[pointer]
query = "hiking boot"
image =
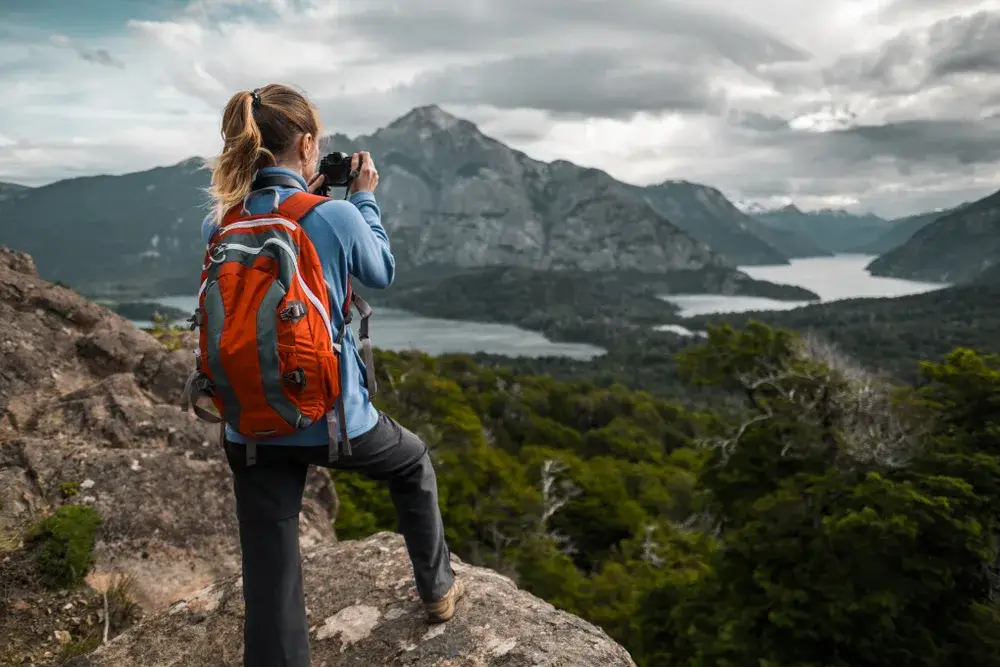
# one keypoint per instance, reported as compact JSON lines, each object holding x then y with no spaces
{"x":442,"y":610}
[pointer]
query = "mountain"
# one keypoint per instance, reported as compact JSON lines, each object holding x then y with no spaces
{"x":955,"y":248}
{"x":450,"y":196}
{"x":133,"y":230}
{"x":707,"y":215}
{"x":10,"y":190}
{"x":831,"y":230}
{"x":901,"y":231}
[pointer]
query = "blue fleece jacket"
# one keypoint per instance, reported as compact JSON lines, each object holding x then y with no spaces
{"x":349,"y":238}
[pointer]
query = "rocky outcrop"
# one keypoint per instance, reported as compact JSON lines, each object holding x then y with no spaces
{"x":363,"y":611}
{"x":89,"y":414}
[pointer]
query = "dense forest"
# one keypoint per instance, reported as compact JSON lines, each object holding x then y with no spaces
{"x":893,"y":335}
{"x":819,"y":517}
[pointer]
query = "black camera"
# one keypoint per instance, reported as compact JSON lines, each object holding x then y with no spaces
{"x":336,"y":167}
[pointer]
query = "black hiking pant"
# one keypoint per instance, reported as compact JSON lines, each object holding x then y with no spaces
{"x":268,"y":502}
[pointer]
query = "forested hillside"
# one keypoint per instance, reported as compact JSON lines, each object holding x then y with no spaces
{"x":825,"y":518}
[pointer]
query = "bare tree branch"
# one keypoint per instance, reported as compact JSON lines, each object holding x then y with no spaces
{"x":556,"y":492}
{"x":854,"y":409}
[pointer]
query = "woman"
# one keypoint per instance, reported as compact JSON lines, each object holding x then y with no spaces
{"x":275,"y":131}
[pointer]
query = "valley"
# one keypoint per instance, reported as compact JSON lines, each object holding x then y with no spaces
{"x":505,"y":256}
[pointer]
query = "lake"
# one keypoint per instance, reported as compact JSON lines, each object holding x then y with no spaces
{"x":832,"y":278}
{"x":399,"y":330}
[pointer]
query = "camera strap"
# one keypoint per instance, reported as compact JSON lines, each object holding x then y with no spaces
{"x":275,"y":180}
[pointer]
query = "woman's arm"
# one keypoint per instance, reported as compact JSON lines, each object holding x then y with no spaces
{"x":357,"y":225}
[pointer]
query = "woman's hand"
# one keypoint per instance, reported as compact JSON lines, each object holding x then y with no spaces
{"x":316,"y":183}
{"x":367,"y":177}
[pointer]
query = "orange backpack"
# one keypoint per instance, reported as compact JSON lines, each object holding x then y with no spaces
{"x":268,"y":356}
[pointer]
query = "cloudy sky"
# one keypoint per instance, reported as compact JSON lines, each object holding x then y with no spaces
{"x":884,"y":105}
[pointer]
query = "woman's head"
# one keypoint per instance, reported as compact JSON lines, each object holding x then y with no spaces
{"x":271,"y":126}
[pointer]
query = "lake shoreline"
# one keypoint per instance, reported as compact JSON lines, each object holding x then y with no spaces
{"x":510,"y":313}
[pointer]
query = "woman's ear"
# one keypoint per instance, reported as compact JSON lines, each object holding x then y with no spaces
{"x":307,"y":147}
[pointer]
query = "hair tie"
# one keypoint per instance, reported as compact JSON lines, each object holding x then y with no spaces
{"x":255,"y":93}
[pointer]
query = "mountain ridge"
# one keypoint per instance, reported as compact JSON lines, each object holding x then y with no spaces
{"x":449,"y":195}
{"x":11,"y":190}
{"x":707,"y":214}
{"x":902,"y":230}
{"x":956,"y":247}
{"x":832,"y":230}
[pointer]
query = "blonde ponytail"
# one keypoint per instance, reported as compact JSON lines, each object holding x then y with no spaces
{"x":257,"y":128}
{"x":243,"y":147}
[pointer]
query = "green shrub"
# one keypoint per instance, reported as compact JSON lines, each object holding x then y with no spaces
{"x":64,"y":544}
{"x":172,"y":337}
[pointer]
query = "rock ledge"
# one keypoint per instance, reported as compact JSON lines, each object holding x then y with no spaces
{"x":364,"y":611}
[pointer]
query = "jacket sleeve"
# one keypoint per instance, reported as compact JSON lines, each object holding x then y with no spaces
{"x":207,"y":228}
{"x":357,"y":223}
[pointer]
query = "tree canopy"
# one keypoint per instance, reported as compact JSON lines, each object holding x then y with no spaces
{"x":818,"y":517}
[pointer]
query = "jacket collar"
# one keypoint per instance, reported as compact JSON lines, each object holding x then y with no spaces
{"x":281,"y":171}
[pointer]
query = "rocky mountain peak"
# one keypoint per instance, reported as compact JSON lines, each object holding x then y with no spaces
{"x":431,"y":117}
{"x":192,"y":163}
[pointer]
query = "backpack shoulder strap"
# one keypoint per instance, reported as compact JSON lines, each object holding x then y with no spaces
{"x":299,"y":204}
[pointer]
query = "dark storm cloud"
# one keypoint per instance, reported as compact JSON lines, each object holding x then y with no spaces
{"x":961,"y":141}
{"x":609,"y":84}
{"x":969,"y":45}
{"x":913,"y":61}
{"x":572,"y":58}
{"x":915,"y":142}
{"x":394,"y":27}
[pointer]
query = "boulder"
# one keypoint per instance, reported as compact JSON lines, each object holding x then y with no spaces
{"x":364,"y":611}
